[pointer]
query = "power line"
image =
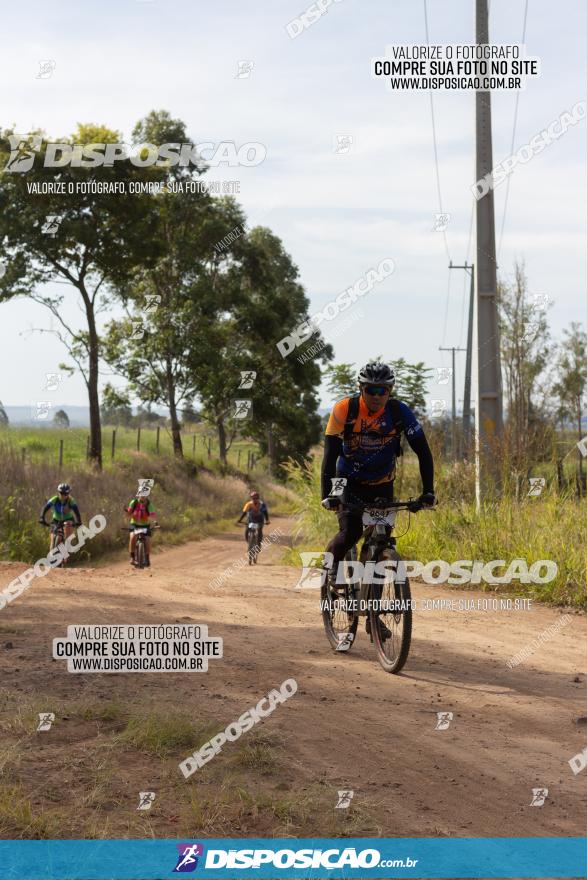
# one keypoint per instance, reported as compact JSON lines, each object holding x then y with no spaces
{"x":507,"y":186}
{"x":434,"y":137}
{"x":438,"y":188}
{"x":446,"y":310}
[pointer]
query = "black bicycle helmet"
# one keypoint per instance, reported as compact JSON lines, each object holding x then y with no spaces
{"x":64,"y":488}
{"x":376,"y":374}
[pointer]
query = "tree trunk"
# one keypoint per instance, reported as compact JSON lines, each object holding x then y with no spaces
{"x":271,"y":450}
{"x":95,"y":450}
{"x":173,"y":417}
{"x":221,"y":439}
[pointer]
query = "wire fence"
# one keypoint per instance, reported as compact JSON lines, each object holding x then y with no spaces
{"x":69,"y":446}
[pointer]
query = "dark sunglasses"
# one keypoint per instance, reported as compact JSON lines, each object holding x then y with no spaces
{"x":378,"y":390}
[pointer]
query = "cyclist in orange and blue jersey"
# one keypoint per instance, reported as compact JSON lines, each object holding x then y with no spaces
{"x":362,"y":443}
{"x":255,"y":511}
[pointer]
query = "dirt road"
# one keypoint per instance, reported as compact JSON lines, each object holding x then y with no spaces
{"x":350,"y":725}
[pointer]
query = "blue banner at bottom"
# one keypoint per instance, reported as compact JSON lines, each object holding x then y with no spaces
{"x":415,"y":857}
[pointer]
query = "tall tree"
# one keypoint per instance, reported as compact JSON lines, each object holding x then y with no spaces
{"x":116,"y":408}
{"x":285,"y":418}
{"x":524,"y":337}
{"x":341,"y":380}
{"x":571,"y":384}
{"x":176,"y":306}
{"x":410,"y":384}
{"x":82,"y":241}
{"x":251,"y":300}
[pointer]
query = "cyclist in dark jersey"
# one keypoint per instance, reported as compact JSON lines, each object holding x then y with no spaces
{"x":361,"y":444}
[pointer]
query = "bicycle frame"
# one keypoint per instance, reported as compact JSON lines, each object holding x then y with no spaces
{"x":392,"y":643}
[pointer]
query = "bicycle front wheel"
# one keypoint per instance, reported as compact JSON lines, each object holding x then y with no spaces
{"x":140,"y":552}
{"x":390,"y":617}
{"x":252,"y":547}
{"x":339,"y":613}
{"x":57,"y":539}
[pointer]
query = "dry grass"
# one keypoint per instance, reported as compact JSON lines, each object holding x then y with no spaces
{"x":85,"y":780}
{"x":163,"y":735}
{"x":19,"y":819}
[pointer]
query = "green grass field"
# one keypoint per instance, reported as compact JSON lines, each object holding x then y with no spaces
{"x":41,"y":445}
{"x":550,"y":527}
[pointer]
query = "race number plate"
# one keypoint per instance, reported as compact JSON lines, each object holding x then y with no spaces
{"x":374,"y":516}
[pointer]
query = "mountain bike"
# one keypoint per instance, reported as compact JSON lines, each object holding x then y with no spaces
{"x":57,"y":538}
{"x":140,"y":547}
{"x":384,"y":598}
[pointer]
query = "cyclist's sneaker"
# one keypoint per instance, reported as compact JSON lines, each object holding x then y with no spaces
{"x":384,"y":632}
{"x":147,"y":563}
{"x":132,"y":561}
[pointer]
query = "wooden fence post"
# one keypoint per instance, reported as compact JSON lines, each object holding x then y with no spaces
{"x":158,"y":433}
{"x":113,"y":445}
{"x":238,"y":459}
{"x":209,"y":447}
{"x":88,"y":447}
{"x":249,"y":460}
{"x":61,"y":453}
{"x":139,"y":439}
{"x":194,"y":445}
{"x":23,"y":454}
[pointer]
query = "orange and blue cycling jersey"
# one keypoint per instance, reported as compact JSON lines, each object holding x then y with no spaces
{"x":141,"y":512}
{"x":255,"y":511}
{"x":370,"y":449}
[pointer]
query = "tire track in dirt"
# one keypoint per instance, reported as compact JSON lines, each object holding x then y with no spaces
{"x":350,"y":725}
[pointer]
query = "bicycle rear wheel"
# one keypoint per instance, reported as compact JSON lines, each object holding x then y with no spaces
{"x":339,"y":613}
{"x":392,"y":652}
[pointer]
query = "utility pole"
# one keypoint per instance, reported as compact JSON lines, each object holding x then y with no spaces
{"x":488,"y":411}
{"x":454,"y":349}
{"x":469,"y":359}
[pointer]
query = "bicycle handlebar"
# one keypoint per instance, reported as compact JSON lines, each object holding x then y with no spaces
{"x":412,"y":504}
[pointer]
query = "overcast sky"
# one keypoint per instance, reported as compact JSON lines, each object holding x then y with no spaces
{"x":338,"y":214}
